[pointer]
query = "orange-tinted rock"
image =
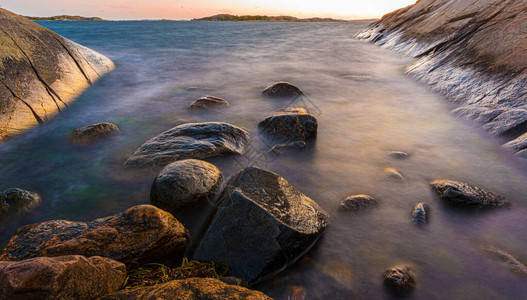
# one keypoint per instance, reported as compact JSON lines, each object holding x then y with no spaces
{"x":93,"y":132}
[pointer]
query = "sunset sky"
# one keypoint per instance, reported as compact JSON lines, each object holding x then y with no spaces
{"x":187,"y":9}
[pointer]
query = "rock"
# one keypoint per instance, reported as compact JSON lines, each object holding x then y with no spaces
{"x":510,"y":261}
{"x":235,"y":281}
{"x":14,"y":201}
{"x":482,"y":114}
{"x":264,"y":225}
{"x":185,"y":183}
{"x":463,"y":195}
{"x":140,"y":235}
{"x":393,"y":174}
{"x":286,"y":147}
{"x":357,"y":203}
{"x":398,"y":155}
{"x":93,"y":132}
{"x":508,"y":122}
{"x":282,"y":89}
{"x":518,"y":145}
{"x":208,"y":103}
{"x":193,"y":288}
{"x":420,"y":214}
{"x":298,"y":293}
{"x":42,"y":72}
{"x":287,"y":127}
{"x":399,"y":279}
{"x":191,"y":140}
{"x":62,"y":277}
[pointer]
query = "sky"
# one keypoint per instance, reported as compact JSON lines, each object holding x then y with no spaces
{"x":188,"y":9}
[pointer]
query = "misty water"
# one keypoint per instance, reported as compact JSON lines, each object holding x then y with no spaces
{"x":365,"y":106}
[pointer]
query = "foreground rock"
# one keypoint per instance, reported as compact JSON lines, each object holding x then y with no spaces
{"x":14,"y":201}
{"x":208,"y":103}
{"x":357,"y":203}
{"x":420,"y":214}
{"x":289,"y":126}
{"x":193,"y":288}
{"x":140,"y":235}
{"x":41,"y":73}
{"x":94,"y":132}
{"x":461,"y":194}
{"x":264,"y":225}
{"x":518,"y":146}
{"x":399,"y":279}
{"x":185,"y":183}
{"x":281,"y":90}
{"x":62,"y":277}
{"x":191,"y":140}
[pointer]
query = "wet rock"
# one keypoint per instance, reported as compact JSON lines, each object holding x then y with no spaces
{"x":510,"y":261}
{"x":208,"y":103}
{"x":93,"y":132}
{"x":286,"y":147}
{"x":420,"y":214}
{"x":518,"y":145}
{"x":185,"y":183}
{"x":357,"y":203}
{"x":191,"y":140}
{"x":282,"y":89}
{"x":398,"y":155}
{"x":62,"y":277}
{"x":264,"y":225}
{"x":298,"y":293}
{"x":289,"y":126}
{"x":193,"y":288}
{"x":510,"y":121}
{"x":235,"y":281}
{"x":140,"y":235}
{"x":399,"y":279}
{"x":394,"y":175}
{"x":14,"y":201}
{"x":461,"y":194}
{"x":482,"y":114}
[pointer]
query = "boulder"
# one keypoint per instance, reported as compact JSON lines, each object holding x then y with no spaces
{"x":420,"y":214}
{"x":193,"y":288}
{"x":461,"y":194}
{"x":264,"y":225}
{"x":41,"y":73}
{"x":208,"y":103}
{"x":185,"y":183}
{"x":357,"y":203}
{"x":14,"y":201}
{"x":191,"y":140}
{"x":282,"y":89}
{"x":394,"y":175}
{"x":90,"y":133}
{"x":141,"y":234}
{"x":61,"y":277}
{"x":399,"y":279}
{"x":289,"y":126}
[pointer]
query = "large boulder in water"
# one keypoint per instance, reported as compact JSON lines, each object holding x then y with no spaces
{"x":14,"y":201}
{"x":184,"y":184}
{"x":208,"y":103}
{"x":264,"y":225}
{"x":93,"y":132}
{"x":141,"y":234}
{"x":295,"y":124}
{"x":464,"y":195}
{"x":62,"y":277}
{"x":41,"y":72}
{"x":191,"y":140}
{"x":282,"y":89}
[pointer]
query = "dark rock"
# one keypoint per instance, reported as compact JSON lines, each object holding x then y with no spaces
{"x":191,"y":140}
{"x":185,"y":183}
{"x":93,"y":132}
{"x":193,"y":288}
{"x":399,"y":279}
{"x":463,"y":195}
{"x":357,"y":203}
{"x":510,"y":261}
{"x":285,"y":147}
{"x":398,"y":155}
{"x":62,"y":277}
{"x":264,"y":225}
{"x":140,"y":235}
{"x":14,"y":201}
{"x":282,"y":89}
{"x":289,"y":126}
{"x":208,"y":103}
{"x":420,"y":214}
{"x":393,"y":174}
{"x":235,"y":281}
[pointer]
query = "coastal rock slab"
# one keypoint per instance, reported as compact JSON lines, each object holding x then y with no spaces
{"x":208,"y":103}
{"x":357,"y":203}
{"x":264,"y":225}
{"x":461,"y":194}
{"x":191,"y":140}
{"x":62,"y":277}
{"x":282,"y":89}
{"x":185,"y":183}
{"x":289,"y":126}
{"x":93,"y":132}
{"x":14,"y":201}
{"x":141,"y":234}
{"x":509,"y":121}
{"x":399,"y":279}
{"x":518,"y":145}
{"x":482,"y":114}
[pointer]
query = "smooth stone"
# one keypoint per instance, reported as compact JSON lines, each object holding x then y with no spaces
{"x":399,"y":279}
{"x":286,"y":147}
{"x":282,"y":89}
{"x":263,"y":226}
{"x":208,"y":103}
{"x":420,"y":214}
{"x":15,"y":201}
{"x":90,"y":133}
{"x":142,"y":234}
{"x":393,"y":174}
{"x":61,"y":277}
{"x":191,"y":140}
{"x":398,"y":155}
{"x":289,"y":126}
{"x":461,"y":194}
{"x":357,"y":203}
{"x":185,"y":183}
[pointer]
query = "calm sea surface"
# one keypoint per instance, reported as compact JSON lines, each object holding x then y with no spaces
{"x":366,"y":107}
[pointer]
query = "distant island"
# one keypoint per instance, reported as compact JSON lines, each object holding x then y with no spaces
{"x":234,"y":18}
{"x":66,"y":18}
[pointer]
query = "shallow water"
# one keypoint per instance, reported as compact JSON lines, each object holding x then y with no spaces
{"x":365,"y":106}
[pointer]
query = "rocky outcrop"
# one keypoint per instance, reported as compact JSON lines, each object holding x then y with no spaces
{"x":294,"y":124}
{"x":208,"y":103}
{"x":94,"y":132}
{"x":357,"y":203}
{"x":40,"y":73}
{"x":14,"y":201}
{"x":141,"y":234}
{"x":472,"y":51}
{"x":184,"y":184}
{"x":460,"y":194}
{"x":518,"y":146}
{"x":399,"y":279}
{"x":282,"y":89}
{"x":62,"y":277}
{"x":264,"y":225}
{"x":191,"y":140}
{"x":193,"y":288}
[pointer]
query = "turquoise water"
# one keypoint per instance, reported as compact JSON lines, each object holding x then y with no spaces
{"x":365,"y":106}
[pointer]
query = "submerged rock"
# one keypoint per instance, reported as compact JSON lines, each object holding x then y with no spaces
{"x":482,"y":114}
{"x":510,"y":261}
{"x":208,"y":103}
{"x":463,"y":195}
{"x":264,"y":225}
{"x":393,"y":174}
{"x":289,"y":126}
{"x":191,"y":140}
{"x":282,"y":89}
{"x":185,"y":183}
{"x":14,"y":201}
{"x":140,"y":235}
{"x":398,"y":155}
{"x":286,"y":147}
{"x":420,"y":214}
{"x":399,"y":279}
{"x":62,"y":277}
{"x":357,"y":203}
{"x":93,"y":132}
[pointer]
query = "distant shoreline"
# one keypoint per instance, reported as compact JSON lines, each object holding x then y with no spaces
{"x":67,"y":18}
